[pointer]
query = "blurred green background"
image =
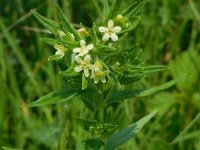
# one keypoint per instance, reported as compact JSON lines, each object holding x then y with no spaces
{"x":169,"y":34}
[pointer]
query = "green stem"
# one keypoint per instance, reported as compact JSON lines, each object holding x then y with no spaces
{"x":101,"y":108}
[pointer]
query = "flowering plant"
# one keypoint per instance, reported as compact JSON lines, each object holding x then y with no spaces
{"x":97,"y":66}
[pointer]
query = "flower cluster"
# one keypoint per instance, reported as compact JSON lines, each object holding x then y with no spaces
{"x":82,"y":57}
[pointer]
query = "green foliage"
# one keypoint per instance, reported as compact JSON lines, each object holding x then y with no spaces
{"x":128,"y":93}
{"x":7,"y":148}
{"x":168,"y":34}
{"x":55,"y":97}
{"x":159,"y":144}
{"x":125,"y":134}
{"x":93,"y":144}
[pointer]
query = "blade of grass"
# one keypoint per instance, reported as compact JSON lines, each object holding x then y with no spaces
{"x":19,"y":55}
{"x":195,"y":11}
{"x":179,"y":137}
{"x":3,"y":90}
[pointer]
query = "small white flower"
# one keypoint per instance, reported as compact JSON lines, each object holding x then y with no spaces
{"x":84,"y":65}
{"x":110,"y":31}
{"x":84,"y":49}
{"x":60,"y":50}
{"x":98,"y":74}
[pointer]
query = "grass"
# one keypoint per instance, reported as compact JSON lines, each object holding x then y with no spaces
{"x":169,"y":34}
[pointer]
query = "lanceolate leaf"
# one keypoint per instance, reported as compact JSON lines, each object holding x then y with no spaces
{"x":128,"y":93}
{"x":113,"y":10}
{"x":135,"y":12}
{"x":70,"y":71}
{"x":8,"y":148}
{"x":132,"y":25}
{"x":129,"y":9}
{"x":47,"y":23}
{"x":50,"y":41}
{"x":103,"y":49}
{"x":67,"y":24}
{"x":54,"y":97}
{"x":92,"y":144}
{"x":127,"y":133}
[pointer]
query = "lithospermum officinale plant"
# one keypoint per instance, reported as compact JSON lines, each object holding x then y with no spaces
{"x":97,"y":67}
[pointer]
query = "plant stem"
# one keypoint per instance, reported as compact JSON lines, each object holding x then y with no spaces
{"x":101,"y":108}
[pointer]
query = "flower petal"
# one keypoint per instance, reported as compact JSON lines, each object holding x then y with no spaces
{"x":96,"y":80}
{"x":110,"y":24}
{"x":86,"y":72}
{"x":103,"y":79}
{"x":105,"y":37}
{"x":83,"y":52}
{"x":76,"y":50}
{"x":116,"y":29}
{"x":90,"y":46}
{"x":114,"y":37}
{"x":60,"y":53}
{"x":78,"y":68}
{"x":87,"y":58}
{"x":78,"y":59}
{"x":82,"y":44}
{"x":103,"y":29}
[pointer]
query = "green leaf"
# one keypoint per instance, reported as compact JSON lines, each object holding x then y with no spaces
{"x":133,"y":25}
{"x":47,"y":23}
{"x":8,"y":148}
{"x":105,"y":8}
{"x":54,"y":57}
{"x":68,"y":43}
{"x":146,"y":70}
{"x":135,"y":73}
{"x":54,"y":97}
{"x":158,"y":88}
{"x":113,"y":10}
{"x":93,"y":144}
{"x":127,"y":10}
{"x":67,"y":24}
{"x":50,"y":41}
{"x":128,"y":93}
{"x":159,"y":144}
{"x":84,"y":82}
{"x":93,"y":33}
{"x":125,"y":134}
{"x":106,"y":50}
{"x":70,"y":71}
{"x":133,"y":12}
{"x":187,"y":64}
{"x":161,"y":102}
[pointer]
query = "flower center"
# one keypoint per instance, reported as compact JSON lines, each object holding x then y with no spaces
{"x":84,"y":64}
{"x":109,"y":31}
{"x":99,"y":74}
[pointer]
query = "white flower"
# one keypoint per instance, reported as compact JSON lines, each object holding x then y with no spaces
{"x":84,"y":65}
{"x":60,"y":50}
{"x":110,"y":31}
{"x":84,"y":49}
{"x":98,"y":74}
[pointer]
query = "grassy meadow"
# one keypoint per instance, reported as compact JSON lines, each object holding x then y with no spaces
{"x":169,"y":34}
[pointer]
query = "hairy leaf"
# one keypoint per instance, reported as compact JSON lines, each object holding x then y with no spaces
{"x":67,"y":24}
{"x":128,"y":93}
{"x":47,"y":23}
{"x":54,"y":97}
